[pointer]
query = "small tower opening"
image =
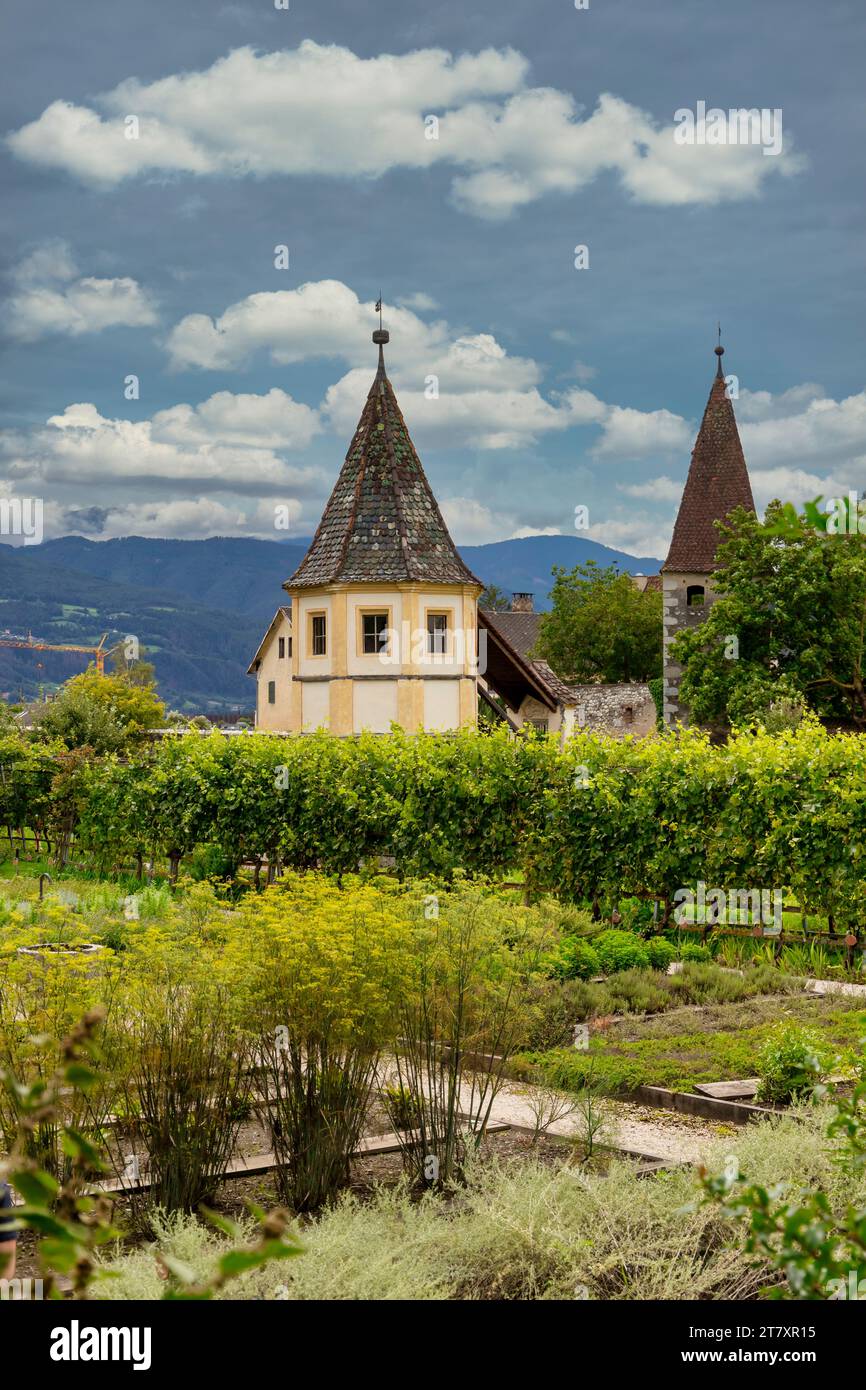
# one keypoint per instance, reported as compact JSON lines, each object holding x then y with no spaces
{"x":695,"y":595}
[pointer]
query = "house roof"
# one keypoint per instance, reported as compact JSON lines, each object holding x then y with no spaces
{"x":516,"y":635}
{"x":507,"y":671}
{"x":718,"y":481}
{"x":284,"y":611}
{"x":381,"y":522}
{"x":562,"y":693}
{"x":521,"y":629}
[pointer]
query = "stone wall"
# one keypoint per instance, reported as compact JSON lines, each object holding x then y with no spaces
{"x":678,"y":615}
{"x":618,"y":710}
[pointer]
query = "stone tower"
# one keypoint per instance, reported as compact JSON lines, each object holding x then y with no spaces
{"x":717,"y":483}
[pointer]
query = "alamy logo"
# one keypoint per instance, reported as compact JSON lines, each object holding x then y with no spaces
{"x":843,"y":516}
{"x":22,"y":516}
{"x":77,"y":1343}
{"x":736,"y":905}
{"x":739,"y":126}
{"x":21,"y":1290}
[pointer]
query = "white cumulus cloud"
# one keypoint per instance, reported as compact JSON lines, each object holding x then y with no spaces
{"x":322,"y":110}
{"x":212,"y":445}
{"x":51,"y":296}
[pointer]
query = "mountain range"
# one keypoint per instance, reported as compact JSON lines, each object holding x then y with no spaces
{"x":200,"y":608}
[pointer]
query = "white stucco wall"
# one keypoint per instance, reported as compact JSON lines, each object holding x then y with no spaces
{"x":441,"y":705}
{"x":316,"y":704}
{"x":374,"y":706}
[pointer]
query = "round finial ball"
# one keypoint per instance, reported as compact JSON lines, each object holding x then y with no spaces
{"x":381,"y":335}
{"x":719,"y":351}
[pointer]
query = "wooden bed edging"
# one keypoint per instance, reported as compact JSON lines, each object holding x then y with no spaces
{"x":738,"y":1112}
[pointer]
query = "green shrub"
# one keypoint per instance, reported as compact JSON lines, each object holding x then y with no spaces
{"x":705,"y":982}
{"x":577,"y":960}
{"x":662,"y":952}
{"x":620,"y":950}
{"x":567,"y":919}
{"x":693,"y":950}
{"x":791,"y":1064}
{"x":403,"y":1108}
{"x":637,"y":992}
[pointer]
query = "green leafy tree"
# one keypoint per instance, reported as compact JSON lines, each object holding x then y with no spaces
{"x":135,"y":672}
{"x":105,"y":713}
{"x":601,"y":626}
{"x":788,"y":624}
{"x":26,"y":772}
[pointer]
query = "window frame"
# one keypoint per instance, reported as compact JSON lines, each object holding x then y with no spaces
{"x":312,"y":615}
{"x":448,"y":615}
{"x":379,"y":611}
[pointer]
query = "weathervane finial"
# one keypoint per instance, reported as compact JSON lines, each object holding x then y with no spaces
{"x":720,"y":352}
{"x":381,"y":336}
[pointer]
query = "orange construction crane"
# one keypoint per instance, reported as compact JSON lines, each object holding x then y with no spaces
{"x":32,"y":644}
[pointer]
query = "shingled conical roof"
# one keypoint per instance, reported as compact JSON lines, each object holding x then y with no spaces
{"x":718,"y":482}
{"x":381,"y":523}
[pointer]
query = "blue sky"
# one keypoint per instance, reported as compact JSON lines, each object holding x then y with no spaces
{"x":308,"y":127}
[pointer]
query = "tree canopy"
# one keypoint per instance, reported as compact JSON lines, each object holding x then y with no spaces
{"x":788,"y":623}
{"x":103,"y":712}
{"x":601,"y":626}
{"x":494,"y":599}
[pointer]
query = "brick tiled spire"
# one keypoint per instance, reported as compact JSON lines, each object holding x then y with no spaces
{"x":718,"y":481}
{"x":382,"y":522}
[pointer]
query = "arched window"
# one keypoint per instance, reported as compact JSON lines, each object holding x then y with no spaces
{"x":695,"y":595}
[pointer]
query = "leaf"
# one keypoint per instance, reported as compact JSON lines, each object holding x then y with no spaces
{"x":179,"y":1268}
{"x":37,"y":1188}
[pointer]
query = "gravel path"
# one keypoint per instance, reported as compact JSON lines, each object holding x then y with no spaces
{"x":656,"y":1133}
{"x":643,"y":1129}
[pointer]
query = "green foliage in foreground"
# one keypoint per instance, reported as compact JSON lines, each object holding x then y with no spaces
{"x":523,"y":1230}
{"x":816,"y":1243}
{"x":71,"y":1219}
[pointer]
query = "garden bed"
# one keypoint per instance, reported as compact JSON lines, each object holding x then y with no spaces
{"x":674,"y":1050}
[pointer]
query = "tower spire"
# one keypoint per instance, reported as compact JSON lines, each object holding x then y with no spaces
{"x":717,"y":482}
{"x":382,"y":522}
{"x":381,"y":336}
{"x":720,"y":352}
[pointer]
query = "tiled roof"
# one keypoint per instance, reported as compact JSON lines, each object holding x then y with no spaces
{"x":562,"y":693}
{"x":382,"y":521}
{"x":718,"y":481}
{"x":654,"y":581}
{"x":506,"y":670}
{"x":519,"y":632}
{"x":521,"y":629}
